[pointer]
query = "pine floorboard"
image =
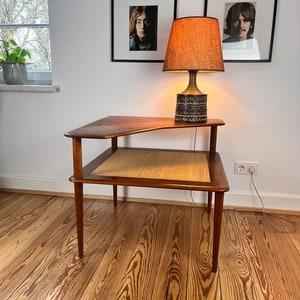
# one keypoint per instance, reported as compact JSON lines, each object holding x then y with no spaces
{"x":143,"y":251}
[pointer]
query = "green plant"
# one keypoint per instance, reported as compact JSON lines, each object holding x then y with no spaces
{"x":11,"y":52}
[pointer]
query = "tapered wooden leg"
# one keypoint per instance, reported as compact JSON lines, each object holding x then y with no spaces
{"x":114,"y":147}
{"x":209,"y":201}
{"x":115,"y":194}
{"x":79,"y":216}
{"x":218,"y":211}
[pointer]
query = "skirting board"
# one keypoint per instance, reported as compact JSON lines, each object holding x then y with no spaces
{"x":232,"y":199}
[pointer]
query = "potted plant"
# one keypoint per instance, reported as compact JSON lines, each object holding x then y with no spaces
{"x":13,"y":62}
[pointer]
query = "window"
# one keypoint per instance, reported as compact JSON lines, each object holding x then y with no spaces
{"x":27,"y":22}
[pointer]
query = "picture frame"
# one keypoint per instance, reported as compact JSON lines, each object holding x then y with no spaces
{"x":258,"y":46}
{"x":128,"y":43}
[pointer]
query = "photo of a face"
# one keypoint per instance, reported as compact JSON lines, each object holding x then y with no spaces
{"x":247,"y":28}
{"x":240,"y":27}
{"x":239,"y":21}
{"x":143,"y":28}
{"x":238,"y":34}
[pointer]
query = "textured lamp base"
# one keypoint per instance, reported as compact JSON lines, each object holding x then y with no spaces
{"x":191,"y":108}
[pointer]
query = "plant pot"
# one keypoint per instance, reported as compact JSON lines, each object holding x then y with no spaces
{"x":14,"y":73}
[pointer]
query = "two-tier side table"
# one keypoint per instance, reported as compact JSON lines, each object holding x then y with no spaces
{"x":156,"y":168}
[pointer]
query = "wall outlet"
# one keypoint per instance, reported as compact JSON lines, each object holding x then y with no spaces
{"x":245,"y":168}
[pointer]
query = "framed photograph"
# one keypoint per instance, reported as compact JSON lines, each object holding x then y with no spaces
{"x":140,"y":29}
{"x":246,"y":28}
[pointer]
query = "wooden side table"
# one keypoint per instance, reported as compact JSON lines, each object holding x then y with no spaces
{"x":195,"y":170}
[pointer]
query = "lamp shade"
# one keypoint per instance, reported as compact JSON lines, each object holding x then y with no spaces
{"x":194,"y":44}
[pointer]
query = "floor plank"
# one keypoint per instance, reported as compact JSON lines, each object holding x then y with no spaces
{"x":171,"y":281}
{"x":111,"y":270}
{"x":233,"y":265}
{"x":288,"y":263}
{"x":202,"y":284}
{"x":141,"y":271}
{"x":143,"y":251}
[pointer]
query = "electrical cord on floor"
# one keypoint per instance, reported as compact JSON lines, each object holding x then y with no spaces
{"x":257,"y":193}
{"x":271,"y":214}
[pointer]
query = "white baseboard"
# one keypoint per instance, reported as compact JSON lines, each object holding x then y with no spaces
{"x":270,"y":201}
{"x":286,"y":202}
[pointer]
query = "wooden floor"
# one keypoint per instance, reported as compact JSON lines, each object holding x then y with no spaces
{"x":142,"y":251}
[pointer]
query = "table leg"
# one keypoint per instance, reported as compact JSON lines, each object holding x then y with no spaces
{"x":114,"y":146}
{"x":218,"y":211}
{"x":213,"y":139}
{"x":79,"y":216}
{"x":115,"y":194}
{"x":78,"y":189}
{"x":209,"y":201}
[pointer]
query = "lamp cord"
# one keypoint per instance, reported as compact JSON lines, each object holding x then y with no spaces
{"x":271,"y":214}
{"x":195,"y":138}
{"x":257,"y":193}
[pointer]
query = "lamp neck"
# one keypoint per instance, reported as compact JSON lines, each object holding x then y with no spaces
{"x":192,"y":87}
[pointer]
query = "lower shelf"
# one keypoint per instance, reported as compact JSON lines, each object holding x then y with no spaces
{"x":156,"y":165}
{"x":161,"y":168}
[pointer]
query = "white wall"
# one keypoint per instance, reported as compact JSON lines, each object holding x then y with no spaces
{"x":259,"y":103}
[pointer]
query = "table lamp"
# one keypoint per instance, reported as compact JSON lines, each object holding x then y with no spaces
{"x":194,"y":46}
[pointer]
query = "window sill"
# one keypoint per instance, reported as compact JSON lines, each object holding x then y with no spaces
{"x":30,"y":88}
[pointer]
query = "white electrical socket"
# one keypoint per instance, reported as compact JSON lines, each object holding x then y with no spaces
{"x":245,"y":168}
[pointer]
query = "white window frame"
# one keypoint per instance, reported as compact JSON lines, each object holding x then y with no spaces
{"x":34,"y":77}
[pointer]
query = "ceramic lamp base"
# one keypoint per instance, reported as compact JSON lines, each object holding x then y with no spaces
{"x":191,"y":108}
